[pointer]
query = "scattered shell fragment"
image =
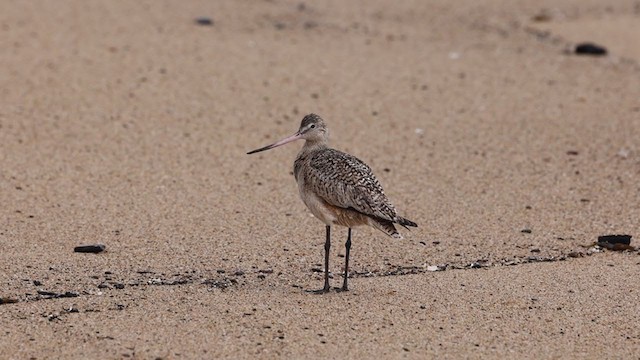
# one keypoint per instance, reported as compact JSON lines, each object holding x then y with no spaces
{"x":441,"y":267}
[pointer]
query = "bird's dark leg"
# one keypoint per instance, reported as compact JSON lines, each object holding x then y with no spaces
{"x":327,"y":246}
{"x":347,"y":246}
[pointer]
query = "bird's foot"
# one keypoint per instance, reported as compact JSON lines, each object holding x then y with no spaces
{"x":318,"y":292}
{"x":324,"y":290}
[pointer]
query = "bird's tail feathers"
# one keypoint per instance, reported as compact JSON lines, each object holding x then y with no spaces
{"x":385,"y":226}
{"x":406,"y":223}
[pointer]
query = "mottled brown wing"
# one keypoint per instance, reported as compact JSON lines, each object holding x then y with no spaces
{"x":345,"y":181}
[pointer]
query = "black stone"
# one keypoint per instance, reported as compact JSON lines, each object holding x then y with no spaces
{"x":615,"y":239}
{"x":590,"y":49}
{"x":94,"y":249}
{"x":204,"y":21}
{"x":7,"y":301}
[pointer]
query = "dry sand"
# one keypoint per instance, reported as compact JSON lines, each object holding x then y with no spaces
{"x":125,"y":123}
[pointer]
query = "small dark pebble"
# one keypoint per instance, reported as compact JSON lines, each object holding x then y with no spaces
{"x":204,"y":21}
{"x":238,"y":273}
{"x":220,"y":271}
{"x":37,"y":282}
{"x":535,"y":250}
{"x":526,"y":231}
{"x":51,"y":294}
{"x":590,"y":49}
{"x":541,"y":17}
{"x":572,"y":152}
{"x":310,"y":25}
{"x":7,"y":301}
{"x":118,"y":285}
{"x":94,"y":249}
{"x":615,"y":239}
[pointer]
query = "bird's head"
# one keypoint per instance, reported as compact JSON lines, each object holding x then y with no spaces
{"x":312,"y":129}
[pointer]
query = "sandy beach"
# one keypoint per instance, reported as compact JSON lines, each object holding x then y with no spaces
{"x":127,"y":123}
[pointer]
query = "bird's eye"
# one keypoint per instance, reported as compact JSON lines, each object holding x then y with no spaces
{"x":313,"y":126}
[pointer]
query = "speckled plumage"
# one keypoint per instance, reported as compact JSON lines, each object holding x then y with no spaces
{"x":338,"y":188}
{"x":345,"y":183}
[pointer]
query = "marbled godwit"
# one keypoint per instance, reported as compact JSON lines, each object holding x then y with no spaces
{"x":338,"y":188}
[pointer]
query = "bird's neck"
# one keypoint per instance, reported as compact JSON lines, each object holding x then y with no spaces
{"x":312,"y":146}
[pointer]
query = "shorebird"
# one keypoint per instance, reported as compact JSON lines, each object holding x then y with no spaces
{"x":339,"y":189}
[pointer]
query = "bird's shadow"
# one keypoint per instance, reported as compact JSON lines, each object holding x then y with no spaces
{"x":326,"y":291}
